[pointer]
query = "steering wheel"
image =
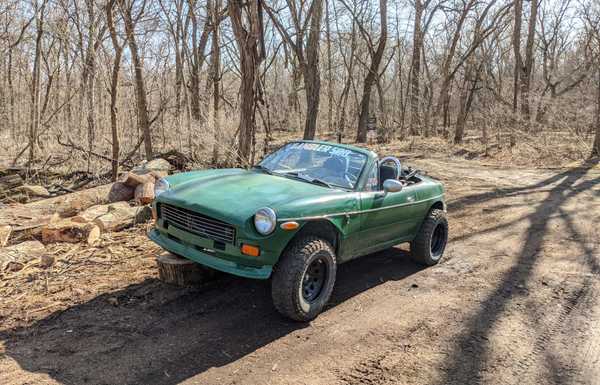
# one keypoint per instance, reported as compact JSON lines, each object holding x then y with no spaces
{"x":396,"y":162}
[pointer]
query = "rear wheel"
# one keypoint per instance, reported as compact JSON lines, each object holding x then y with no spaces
{"x":303,"y":279}
{"x":429,"y":245}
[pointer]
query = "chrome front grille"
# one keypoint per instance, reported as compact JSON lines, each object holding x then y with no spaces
{"x":197,"y":223}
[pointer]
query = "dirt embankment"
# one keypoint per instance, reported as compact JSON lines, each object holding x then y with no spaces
{"x":515,"y":301}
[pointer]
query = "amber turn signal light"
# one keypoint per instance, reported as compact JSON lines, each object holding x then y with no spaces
{"x":289,"y":225}
{"x":253,"y":251}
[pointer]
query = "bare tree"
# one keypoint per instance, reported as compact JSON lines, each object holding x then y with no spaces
{"x":422,"y":19}
{"x":306,"y":53}
{"x":114,"y":82}
{"x":372,"y":78}
{"x":247,"y":24}
{"x":524,"y":67}
{"x":127,"y":8}
{"x":34,"y":126}
{"x":215,"y":76}
{"x":195,"y":55}
{"x":591,"y":18}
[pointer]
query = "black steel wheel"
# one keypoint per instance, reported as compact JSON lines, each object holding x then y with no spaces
{"x":303,"y":279}
{"x":428,"y":246}
{"x":439,"y":239}
{"x":314,"y":279}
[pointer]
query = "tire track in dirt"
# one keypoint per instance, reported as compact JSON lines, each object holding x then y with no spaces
{"x":555,"y":326}
{"x":378,"y":368}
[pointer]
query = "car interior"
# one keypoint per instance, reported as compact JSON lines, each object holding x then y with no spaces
{"x":388,"y":171}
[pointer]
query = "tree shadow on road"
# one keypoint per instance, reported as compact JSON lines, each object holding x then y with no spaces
{"x":158,"y":334}
{"x":468,"y":359}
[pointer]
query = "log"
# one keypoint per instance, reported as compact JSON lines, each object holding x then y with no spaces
{"x":96,"y":211}
{"x":14,"y":258}
{"x":120,"y":192}
{"x":179,"y":271}
{"x":116,"y":219}
{"x":133,"y":180}
{"x":159,"y":166}
{"x":143,"y":214}
{"x":69,"y":231}
{"x":5,"y":232}
{"x":15,"y":198}
{"x":71,"y":204}
{"x":33,"y":191}
{"x":144,"y":193}
{"x":28,"y":219}
{"x":10,"y":181}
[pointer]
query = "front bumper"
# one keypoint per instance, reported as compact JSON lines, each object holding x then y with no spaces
{"x":189,"y":251}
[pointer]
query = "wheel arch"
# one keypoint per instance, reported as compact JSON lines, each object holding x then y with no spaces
{"x":439,"y":205}
{"x":322,"y":228}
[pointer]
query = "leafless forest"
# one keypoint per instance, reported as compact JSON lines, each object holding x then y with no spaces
{"x":96,"y":84}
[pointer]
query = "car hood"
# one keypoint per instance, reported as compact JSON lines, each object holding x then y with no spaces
{"x":234,"y":195}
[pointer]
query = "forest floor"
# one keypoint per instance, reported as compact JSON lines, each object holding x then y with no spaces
{"x":515,"y":301}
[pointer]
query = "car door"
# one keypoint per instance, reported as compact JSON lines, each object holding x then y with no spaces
{"x":387,"y":218}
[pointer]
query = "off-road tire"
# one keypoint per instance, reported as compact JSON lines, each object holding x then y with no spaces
{"x":421,"y":247}
{"x":288,"y":275}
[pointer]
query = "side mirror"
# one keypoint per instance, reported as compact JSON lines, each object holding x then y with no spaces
{"x":392,"y":185}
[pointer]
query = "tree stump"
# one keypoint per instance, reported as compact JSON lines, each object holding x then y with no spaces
{"x":181,"y":271}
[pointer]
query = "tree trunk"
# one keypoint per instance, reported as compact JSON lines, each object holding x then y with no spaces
{"x":140,"y":85}
{"x":596,"y":145}
{"x":114,"y":83}
{"x":293,"y":101}
{"x":516,"y":40}
{"x":372,"y":75}
{"x":312,"y":78}
{"x":89,"y":78}
{"x":35,"y":84}
{"x":466,"y":100}
{"x":251,"y":48}
{"x":329,"y":70}
{"x":215,"y":74}
{"x":415,"y":120}
{"x":197,"y":60}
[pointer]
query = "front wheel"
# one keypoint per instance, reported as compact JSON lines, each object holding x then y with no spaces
{"x":303,"y":279}
{"x":429,"y":245}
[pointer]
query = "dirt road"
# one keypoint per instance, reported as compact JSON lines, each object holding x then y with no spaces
{"x":516,"y":301}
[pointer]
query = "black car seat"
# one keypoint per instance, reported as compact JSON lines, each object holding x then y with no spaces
{"x":386,"y":172}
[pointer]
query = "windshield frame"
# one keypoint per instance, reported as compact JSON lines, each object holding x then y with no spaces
{"x":357,"y":184}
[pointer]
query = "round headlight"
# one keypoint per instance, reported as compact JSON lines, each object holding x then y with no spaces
{"x":265,"y":220}
{"x":161,"y":186}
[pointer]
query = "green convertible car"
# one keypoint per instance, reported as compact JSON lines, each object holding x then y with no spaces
{"x":296,"y":215}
